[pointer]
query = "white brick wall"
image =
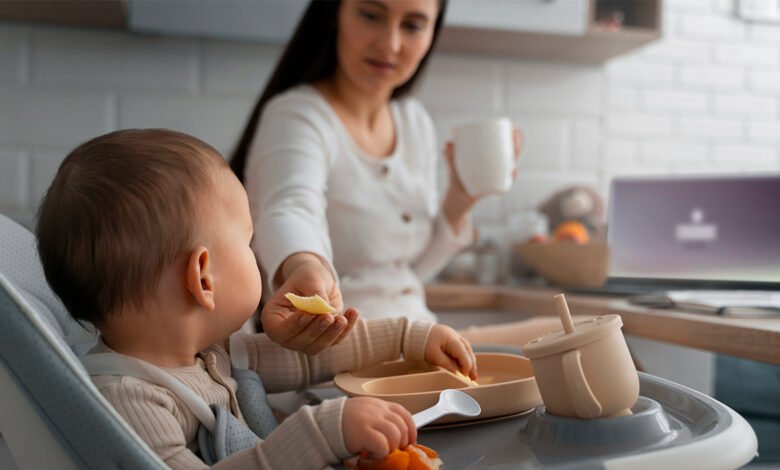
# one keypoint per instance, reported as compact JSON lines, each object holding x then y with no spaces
{"x":32,"y":115}
{"x":14,"y":163}
{"x":706,"y":97}
{"x":12,"y":54}
{"x":213,"y":118}
{"x":113,"y":62}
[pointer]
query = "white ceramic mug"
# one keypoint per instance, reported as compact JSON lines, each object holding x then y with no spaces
{"x":484,"y":156}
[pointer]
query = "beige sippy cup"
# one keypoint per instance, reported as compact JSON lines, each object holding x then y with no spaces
{"x":584,"y":370}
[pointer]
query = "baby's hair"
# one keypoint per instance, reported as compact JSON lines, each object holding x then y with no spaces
{"x":122,"y":208}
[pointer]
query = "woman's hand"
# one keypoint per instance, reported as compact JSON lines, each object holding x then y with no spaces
{"x":457,"y":201}
{"x":448,"y":349}
{"x":305,"y":274}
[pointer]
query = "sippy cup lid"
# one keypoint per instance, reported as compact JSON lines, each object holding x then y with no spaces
{"x":585,"y":332}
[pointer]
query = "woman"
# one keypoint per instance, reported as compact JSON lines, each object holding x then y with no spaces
{"x":340,"y":170}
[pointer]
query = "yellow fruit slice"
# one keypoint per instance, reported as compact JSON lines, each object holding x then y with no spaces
{"x":312,"y":304}
{"x":467,"y":380}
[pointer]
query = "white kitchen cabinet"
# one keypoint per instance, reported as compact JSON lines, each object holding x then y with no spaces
{"x":588,"y":31}
{"x":268,"y":21}
{"x":567,"y":17}
{"x":557,"y":30}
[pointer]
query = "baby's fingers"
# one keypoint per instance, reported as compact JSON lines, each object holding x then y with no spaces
{"x":461,"y":354}
{"x":443,"y":359}
{"x":376,"y":444}
{"x":407,"y":426}
{"x":473,"y":372}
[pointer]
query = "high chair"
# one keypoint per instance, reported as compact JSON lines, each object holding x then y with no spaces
{"x":51,"y":415}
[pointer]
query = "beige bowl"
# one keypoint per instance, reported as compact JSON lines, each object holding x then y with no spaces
{"x":567,"y":263}
{"x":507,"y":385}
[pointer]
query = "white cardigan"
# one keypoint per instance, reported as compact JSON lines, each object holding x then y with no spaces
{"x":377,"y":221}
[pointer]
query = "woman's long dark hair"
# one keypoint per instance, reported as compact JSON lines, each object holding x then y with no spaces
{"x":310,"y":56}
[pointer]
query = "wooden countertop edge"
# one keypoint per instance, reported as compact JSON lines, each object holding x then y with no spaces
{"x":750,"y":338}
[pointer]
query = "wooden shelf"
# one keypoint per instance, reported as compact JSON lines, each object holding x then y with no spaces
{"x":597,"y":45}
{"x":94,"y":13}
{"x":749,"y":338}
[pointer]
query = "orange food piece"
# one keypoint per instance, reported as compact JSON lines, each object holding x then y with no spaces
{"x":397,"y":460}
{"x":428,"y":451}
{"x":418,"y":459}
{"x":414,"y":457}
{"x":572,"y":230}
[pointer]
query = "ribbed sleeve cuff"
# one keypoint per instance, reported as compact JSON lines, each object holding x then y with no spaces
{"x":309,"y":438}
{"x":329,"y":418}
{"x":414,"y":341}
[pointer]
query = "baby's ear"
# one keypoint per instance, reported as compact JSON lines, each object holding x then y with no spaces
{"x":198,"y":278}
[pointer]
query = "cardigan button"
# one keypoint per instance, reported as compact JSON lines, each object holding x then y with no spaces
{"x":407,"y":291}
{"x":385,"y":170}
{"x":406,"y":217}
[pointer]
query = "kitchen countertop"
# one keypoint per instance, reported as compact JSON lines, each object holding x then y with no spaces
{"x":749,"y":338}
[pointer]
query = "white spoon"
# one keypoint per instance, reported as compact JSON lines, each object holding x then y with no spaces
{"x":450,"y":402}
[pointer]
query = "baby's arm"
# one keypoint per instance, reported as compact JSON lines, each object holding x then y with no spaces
{"x":310,"y":438}
{"x":371,"y":342}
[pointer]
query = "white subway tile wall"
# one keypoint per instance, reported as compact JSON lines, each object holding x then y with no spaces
{"x":95,"y":60}
{"x":704,"y":98}
{"x":217,"y":119}
{"x":12,"y":54}
{"x":14,"y":166}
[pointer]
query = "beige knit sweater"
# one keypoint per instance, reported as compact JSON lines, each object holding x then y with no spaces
{"x":309,"y":438}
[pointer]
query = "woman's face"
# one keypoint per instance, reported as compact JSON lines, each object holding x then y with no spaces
{"x":381,"y":42}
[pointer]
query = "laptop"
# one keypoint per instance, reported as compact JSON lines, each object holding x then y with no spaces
{"x":694,"y":232}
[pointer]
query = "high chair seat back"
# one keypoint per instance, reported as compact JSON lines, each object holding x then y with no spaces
{"x":51,"y":415}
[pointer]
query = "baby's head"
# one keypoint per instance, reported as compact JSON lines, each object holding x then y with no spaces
{"x":131,"y":209}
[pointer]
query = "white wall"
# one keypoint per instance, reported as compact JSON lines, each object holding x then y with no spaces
{"x":706,"y":98}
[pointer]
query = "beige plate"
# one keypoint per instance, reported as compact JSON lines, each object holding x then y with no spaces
{"x":507,"y":385}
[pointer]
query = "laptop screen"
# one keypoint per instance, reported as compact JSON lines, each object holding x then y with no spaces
{"x":707,"y":230}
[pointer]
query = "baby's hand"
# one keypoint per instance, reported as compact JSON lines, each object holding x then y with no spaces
{"x":448,"y":349}
{"x":376,"y":427}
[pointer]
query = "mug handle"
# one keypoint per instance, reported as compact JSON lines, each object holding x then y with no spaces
{"x":585,"y":403}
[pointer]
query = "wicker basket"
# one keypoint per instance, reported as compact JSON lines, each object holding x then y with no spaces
{"x":566,"y":263}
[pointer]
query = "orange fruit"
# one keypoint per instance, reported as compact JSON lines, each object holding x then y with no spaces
{"x":414,"y":457}
{"x":572,"y":230}
{"x":422,"y":458}
{"x":428,"y":451}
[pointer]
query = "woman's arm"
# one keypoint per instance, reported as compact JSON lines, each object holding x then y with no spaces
{"x":286,"y":180}
{"x":453,"y":230}
{"x":457,"y":203}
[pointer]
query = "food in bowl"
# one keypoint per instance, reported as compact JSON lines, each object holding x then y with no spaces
{"x":568,"y":264}
{"x":573,"y":231}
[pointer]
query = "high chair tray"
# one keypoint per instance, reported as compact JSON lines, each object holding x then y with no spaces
{"x":506,"y":385}
{"x":697,"y":432}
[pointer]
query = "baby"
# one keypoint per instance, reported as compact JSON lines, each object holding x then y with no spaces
{"x":147,"y":235}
